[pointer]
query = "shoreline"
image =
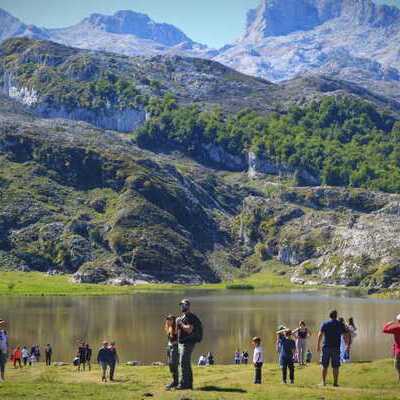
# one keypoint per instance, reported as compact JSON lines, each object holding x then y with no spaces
{"x":37,"y":284}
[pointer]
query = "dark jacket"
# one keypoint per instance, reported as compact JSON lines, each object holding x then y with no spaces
{"x":105,"y":356}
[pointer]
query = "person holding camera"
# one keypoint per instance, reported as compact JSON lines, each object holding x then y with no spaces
{"x":190,"y":332}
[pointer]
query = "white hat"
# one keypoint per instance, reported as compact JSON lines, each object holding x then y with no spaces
{"x":398,"y":317}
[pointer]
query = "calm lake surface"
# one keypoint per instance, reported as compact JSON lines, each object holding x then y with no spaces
{"x":230,"y":320}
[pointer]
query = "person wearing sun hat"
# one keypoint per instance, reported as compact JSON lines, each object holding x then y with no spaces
{"x":3,"y":348}
{"x":393,"y":328}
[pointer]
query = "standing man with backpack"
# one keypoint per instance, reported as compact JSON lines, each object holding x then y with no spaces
{"x":190,"y":332}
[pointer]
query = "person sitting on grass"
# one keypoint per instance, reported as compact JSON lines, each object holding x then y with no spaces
{"x":258,"y":360}
{"x":393,"y":328}
{"x":288,"y":348}
{"x":104,"y":359}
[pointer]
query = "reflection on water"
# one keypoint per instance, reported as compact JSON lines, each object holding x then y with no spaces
{"x":230,"y":320}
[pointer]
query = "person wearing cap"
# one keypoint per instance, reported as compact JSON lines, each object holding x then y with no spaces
{"x":3,"y":348}
{"x":104,"y":358}
{"x":286,"y":356}
{"x":393,"y":328}
{"x":190,"y":332}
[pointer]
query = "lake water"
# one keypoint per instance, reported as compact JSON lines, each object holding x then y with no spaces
{"x":230,"y":320}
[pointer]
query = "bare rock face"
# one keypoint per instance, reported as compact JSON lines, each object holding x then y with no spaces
{"x":331,"y":236}
{"x":342,"y":38}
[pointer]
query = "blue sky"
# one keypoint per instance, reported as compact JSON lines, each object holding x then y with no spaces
{"x":213,"y":22}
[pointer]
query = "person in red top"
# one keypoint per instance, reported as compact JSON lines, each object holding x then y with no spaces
{"x":393,"y":328}
{"x":17,"y":357}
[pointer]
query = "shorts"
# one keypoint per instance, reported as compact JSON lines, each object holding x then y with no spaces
{"x":330,"y":355}
{"x":397,"y":362}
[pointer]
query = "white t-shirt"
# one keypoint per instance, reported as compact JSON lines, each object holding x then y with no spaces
{"x":258,"y":355}
{"x":3,"y":341}
{"x":25,"y":353}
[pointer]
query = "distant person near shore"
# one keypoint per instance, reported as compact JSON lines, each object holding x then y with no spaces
{"x":302,"y":333}
{"x":104,"y":359}
{"x":288,"y":348}
{"x":190,"y":332}
{"x":245,"y":357}
{"x":353,"y":334}
{"x":331,"y":333}
{"x":16,"y":357}
{"x":258,"y":360}
{"x":25,"y":356}
{"x":3,"y":349}
{"x":237,"y":357}
{"x":89,"y":356}
{"x":114,"y":360}
{"x":48,"y":352}
{"x":82,"y":356}
{"x":393,"y":328}
{"x":172,"y":350}
{"x":210,"y":359}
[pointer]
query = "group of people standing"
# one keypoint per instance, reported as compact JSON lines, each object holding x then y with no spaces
{"x":22,"y":356}
{"x":241,"y":357}
{"x":83,"y":357}
{"x":107,"y":358}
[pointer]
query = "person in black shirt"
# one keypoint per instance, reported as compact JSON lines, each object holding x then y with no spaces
{"x":48,"y":351}
{"x":172,"y":350}
{"x":88,"y":356}
{"x":82,"y":356}
{"x":114,"y":359}
{"x":189,"y":333}
{"x":104,"y":358}
{"x":331,"y":331}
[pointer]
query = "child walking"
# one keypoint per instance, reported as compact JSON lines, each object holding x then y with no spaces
{"x":258,"y":360}
{"x":288,"y":348}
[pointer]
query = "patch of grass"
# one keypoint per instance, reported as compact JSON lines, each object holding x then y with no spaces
{"x":39,"y":284}
{"x":358,"y":382}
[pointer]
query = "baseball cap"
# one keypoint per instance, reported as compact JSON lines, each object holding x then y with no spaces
{"x":185,"y":301}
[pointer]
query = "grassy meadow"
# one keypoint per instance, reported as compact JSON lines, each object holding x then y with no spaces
{"x":361,"y":381}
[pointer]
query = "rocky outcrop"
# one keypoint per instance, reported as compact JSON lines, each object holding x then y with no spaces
{"x":261,"y":165}
{"x":351,"y":238}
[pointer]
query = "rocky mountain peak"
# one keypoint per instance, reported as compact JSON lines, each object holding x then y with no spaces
{"x":282,"y":17}
{"x":127,"y":22}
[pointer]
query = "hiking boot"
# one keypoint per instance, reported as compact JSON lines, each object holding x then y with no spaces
{"x":180,"y":387}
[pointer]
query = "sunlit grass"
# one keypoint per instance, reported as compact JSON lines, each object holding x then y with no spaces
{"x":358,"y":381}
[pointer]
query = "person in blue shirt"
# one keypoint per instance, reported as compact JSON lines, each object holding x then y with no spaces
{"x":331,"y":333}
{"x":286,"y":356}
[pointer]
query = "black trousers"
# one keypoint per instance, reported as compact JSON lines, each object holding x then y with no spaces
{"x":258,"y":373}
{"x":48,"y":359}
{"x":287,"y":364}
{"x":112,"y":370}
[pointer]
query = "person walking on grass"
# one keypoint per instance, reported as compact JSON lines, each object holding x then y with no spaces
{"x":82,"y":356}
{"x":104,"y":359}
{"x":37,"y":353}
{"x":190,"y":332}
{"x":17,"y":357}
{"x":258,"y":360}
{"x":48,"y":352}
{"x":25,"y":355}
{"x":393,"y":328}
{"x":245,"y":357}
{"x":3,"y":349}
{"x":114,"y":360}
{"x":331,"y":332}
{"x":172,"y":350}
{"x":89,"y":356}
{"x":288,"y":348}
{"x":302,"y":333}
